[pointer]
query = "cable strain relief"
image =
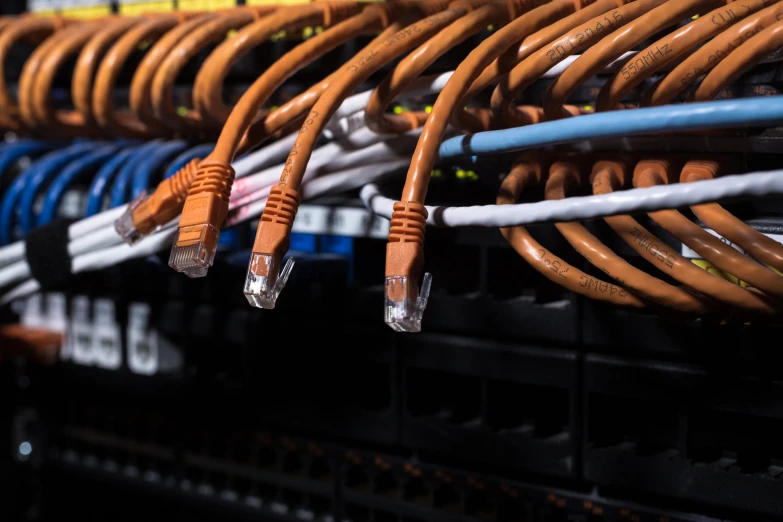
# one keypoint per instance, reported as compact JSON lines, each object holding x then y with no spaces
{"x":214,"y":177}
{"x":659,"y":170}
{"x":701,"y":169}
{"x":337,"y":11}
{"x":183,"y":179}
{"x":617,"y":168}
{"x":408,"y":223}
{"x":281,"y":206}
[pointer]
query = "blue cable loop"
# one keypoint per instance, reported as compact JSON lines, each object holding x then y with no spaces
{"x":199,"y":151}
{"x":70,"y":174}
{"x":38,"y":178}
{"x":749,"y":112}
{"x":119,"y":189}
{"x":143,"y":176}
{"x":102,"y":180}
{"x":49,"y":162}
{"x":13,"y":152}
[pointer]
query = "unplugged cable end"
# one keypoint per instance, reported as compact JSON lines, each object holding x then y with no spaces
{"x":126,"y":225}
{"x":263,"y":284}
{"x":404,"y":310}
{"x":194,"y":250}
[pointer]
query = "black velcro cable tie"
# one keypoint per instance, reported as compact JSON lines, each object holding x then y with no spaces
{"x":47,"y":254}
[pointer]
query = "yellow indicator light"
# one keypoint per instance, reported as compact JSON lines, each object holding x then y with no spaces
{"x":436,"y":173}
{"x":695,"y":17}
{"x":307,"y":32}
{"x":232,"y":33}
{"x":399,"y":109}
{"x":278,"y":36}
{"x":461,"y":174}
{"x":471,"y":175}
{"x":490,"y":28}
{"x":428,"y":109}
{"x":182,"y":111}
{"x":589,"y":108}
{"x":273,"y":108}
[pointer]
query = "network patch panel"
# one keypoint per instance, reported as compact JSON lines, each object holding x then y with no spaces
{"x":397,"y":261}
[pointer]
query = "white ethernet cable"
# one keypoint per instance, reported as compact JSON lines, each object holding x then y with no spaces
{"x":322,"y":156}
{"x":102,"y":258}
{"x":16,"y":251}
{"x":14,"y":267}
{"x":95,"y":239}
{"x":268,"y":155}
{"x":339,"y":181}
{"x":393,"y":149}
{"x":589,"y":207}
{"x":119,"y":252}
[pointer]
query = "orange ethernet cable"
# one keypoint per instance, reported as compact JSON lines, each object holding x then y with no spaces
{"x":207,"y":202}
{"x":23,"y":29}
{"x":145,"y":217}
{"x":572,"y":42}
{"x":693,"y":67}
{"x":342,"y":20}
{"x":608,"y":176}
{"x":749,"y":54}
{"x":614,"y":45}
{"x":650,"y":173}
{"x":526,"y":172}
{"x":99,"y":104}
{"x":404,"y":252}
{"x":673,"y":47}
{"x":759,"y":246}
{"x":565,"y":175}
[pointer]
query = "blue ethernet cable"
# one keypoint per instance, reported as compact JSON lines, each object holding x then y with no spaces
{"x":102,"y":180}
{"x":13,"y":152}
{"x":119,"y":190}
{"x":197,"y":152}
{"x":41,"y":175}
{"x":749,"y":112}
{"x":49,"y":163}
{"x":70,"y":174}
{"x":143,"y":176}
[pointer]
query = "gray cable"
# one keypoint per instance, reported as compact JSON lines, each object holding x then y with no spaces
{"x":589,"y":207}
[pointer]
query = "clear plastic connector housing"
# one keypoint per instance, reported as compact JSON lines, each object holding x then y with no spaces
{"x":263,"y":283}
{"x":194,"y":250}
{"x":125,"y":226}
{"x":403,"y":311}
